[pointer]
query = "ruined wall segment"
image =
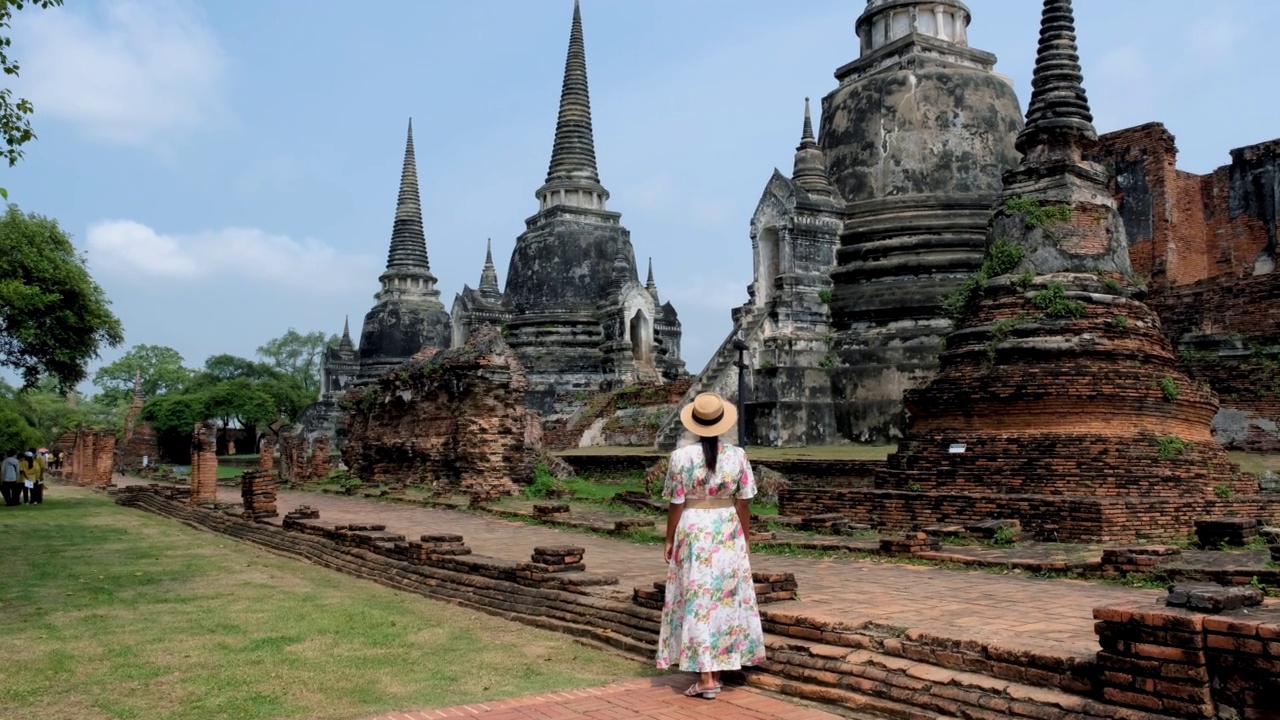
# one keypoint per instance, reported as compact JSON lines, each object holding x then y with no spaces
{"x":204,"y":463}
{"x":916,"y":137}
{"x":1057,"y":396}
{"x":1208,"y":245}
{"x":455,"y":420}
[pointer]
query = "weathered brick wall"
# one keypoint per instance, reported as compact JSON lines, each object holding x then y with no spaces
{"x":304,"y":460}
{"x":455,"y":420}
{"x":1191,"y":664}
{"x":1208,"y":244}
{"x":595,"y":406}
{"x":204,"y":463}
{"x":91,"y":458}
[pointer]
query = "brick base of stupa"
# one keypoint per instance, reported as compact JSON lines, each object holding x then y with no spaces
{"x":1069,"y":417}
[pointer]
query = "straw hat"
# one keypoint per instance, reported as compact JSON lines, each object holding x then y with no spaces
{"x":708,"y":415}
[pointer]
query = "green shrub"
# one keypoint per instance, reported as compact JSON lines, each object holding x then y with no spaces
{"x":1120,"y":321}
{"x":1053,"y":301}
{"x":1168,"y":387}
{"x":1035,"y":214}
{"x":826,"y":295}
{"x":1002,"y":257}
{"x":1171,"y":447}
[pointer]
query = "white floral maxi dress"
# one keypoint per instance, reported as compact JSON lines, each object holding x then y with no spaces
{"x":710,"y":619}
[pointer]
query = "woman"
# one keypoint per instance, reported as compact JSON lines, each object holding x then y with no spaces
{"x":710,"y":620}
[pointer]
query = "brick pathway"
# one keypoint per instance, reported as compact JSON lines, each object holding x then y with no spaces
{"x":657,"y":699}
{"x":1017,"y":611}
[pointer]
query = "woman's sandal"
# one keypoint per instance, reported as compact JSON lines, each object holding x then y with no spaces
{"x":708,"y":694}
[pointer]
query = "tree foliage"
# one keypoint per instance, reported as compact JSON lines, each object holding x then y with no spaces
{"x":159,"y":367}
{"x":298,"y":355}
{"x":15,"y":126}
{"x":54,"y":318}
{"x":37,"y":416}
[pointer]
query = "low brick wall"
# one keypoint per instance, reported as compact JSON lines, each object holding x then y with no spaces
{"x":1191,"y":664}
{"x":587,"y":465}
{"x":1044,"y":517}
{"x":866,"y":667}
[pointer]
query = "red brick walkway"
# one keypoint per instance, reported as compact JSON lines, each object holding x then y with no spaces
{"x":1054,"y":616}
{"x":657,"y":699}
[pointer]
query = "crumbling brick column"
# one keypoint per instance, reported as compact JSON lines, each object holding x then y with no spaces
{"x":204,"y":463}
{"x":319,"y":463}
{"x":103,"y":459}
{"x":81,"y":456}
{"x":258,"y":493}
{"x":267,"y":454}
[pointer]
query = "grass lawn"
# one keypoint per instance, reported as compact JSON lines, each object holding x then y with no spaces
{"x":1256,"y":463}
{"x":116,"y":613}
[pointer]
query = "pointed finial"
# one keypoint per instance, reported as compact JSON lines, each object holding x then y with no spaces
{"x":137,"y":383}
{"x":345,"y":343}
{"x":650,"y":280}
{"x":810,"y":170}
{"x":408,"y":240}
{"x":806,"y":135}
{"x":1058,"y":116}
{"x":573,"y":155}
{"x":489,"y":276}
{"x":650,"y":285}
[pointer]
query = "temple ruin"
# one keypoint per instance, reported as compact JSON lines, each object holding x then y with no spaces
{"x":1057,"y":402}
{"x":455,"y":421}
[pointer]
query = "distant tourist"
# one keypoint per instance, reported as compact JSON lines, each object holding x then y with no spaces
{"x":10,"y":479}
{"x":710,"y":619}
{"x":31,"y":470}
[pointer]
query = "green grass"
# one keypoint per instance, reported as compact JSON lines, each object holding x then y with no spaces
{"x":1256,"y":463}
{"x":116,"y":613}
{"x":225,"y":472}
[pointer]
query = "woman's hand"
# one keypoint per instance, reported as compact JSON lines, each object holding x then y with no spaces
{"x":667,"y":552}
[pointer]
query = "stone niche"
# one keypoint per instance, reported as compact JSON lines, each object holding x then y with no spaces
{"x":456,"y":420}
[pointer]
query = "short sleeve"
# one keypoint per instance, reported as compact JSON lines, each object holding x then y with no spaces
{"x":746,"y":480}
{"x":673,"y":486}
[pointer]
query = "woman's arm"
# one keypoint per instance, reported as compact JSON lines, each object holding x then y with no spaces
{"x":674,"y":511}
{"x":744,"y":516}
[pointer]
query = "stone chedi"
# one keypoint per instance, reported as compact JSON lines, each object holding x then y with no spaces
{"x":574,"y":309}
{"x":785,"y":322}
{"x":455,"y":421}
{"x":1057,"y":402}
{"x":915,"y":139}
{"x":408,"y":314}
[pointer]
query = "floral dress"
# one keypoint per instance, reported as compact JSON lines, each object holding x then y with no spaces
{"x":710,"y":620}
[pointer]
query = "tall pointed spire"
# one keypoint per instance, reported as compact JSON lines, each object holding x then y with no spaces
{"x":810,"y":171}
{"x":489,"y":276}
{"x":408,"y":240}
{"x":1058,"y":116}
{"x":572,"y":177}
{"x":345,"y":343}
{"x":650,"y":285}
{"x":137,"y":384}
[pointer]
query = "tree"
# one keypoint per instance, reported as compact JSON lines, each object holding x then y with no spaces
{"x":14,"y":125}
{"x":54,"y":318}
{"x":50,"y":414}
{"x":175,"y":413}
{"x":159,"y":367}
{"x":298,"y":355}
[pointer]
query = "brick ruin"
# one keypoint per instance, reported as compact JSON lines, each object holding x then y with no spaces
{"x":138,"y":438}
{"x":204,"y":463}
{"x":258,"y":494}
{"x":629,"y":417}
{"x":455,"y":420}
{"x":1057,"y":402}
{"x":90,"y":457}
{"x":267,"y":454}
{"x":1208,"y":244}
{"x":305,"y":459}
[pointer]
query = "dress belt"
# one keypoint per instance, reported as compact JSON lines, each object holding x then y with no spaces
{"x":708,"y":503}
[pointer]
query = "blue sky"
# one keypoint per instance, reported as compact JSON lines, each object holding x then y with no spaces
{"x":230,"y":167}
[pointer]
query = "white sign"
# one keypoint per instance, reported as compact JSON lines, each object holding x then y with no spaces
{"x":956,"y":448}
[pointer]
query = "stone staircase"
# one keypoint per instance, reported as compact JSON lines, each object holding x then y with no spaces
{"x":717,"y":376}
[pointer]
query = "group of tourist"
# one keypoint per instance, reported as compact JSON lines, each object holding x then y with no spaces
{"x":22,"y":478}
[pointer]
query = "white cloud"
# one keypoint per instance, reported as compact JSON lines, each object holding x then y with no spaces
{"x":136,"y":252}
{"x":134,"y":73}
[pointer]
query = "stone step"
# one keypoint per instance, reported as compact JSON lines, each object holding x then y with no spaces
{"x":847,"y":702}
{"x":926,"y":687}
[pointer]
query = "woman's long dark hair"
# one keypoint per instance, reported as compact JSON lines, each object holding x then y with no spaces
{"x":710,"y":451}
